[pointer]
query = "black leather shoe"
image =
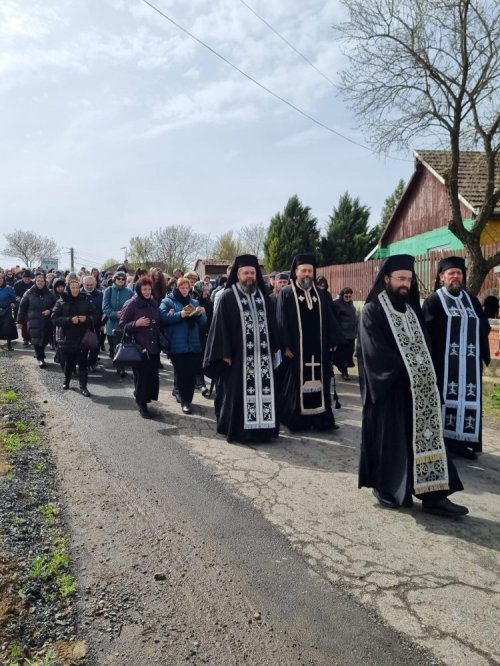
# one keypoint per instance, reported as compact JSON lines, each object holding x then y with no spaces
{"x":444,"y":507}
{"x":42,"y":364}
{"x":144,"y":412}
{"x":66,"y":386}
{"x":186,"y":407}
{"x":384,"y":500}
{"x":84,"y":391}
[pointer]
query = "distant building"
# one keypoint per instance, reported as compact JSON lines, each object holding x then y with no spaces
{"x":419,"y":223}
{"x":211,"y":267}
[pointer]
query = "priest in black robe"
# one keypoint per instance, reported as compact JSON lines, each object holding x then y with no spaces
{"x":458,"y":330}
{"x":308,"y":333}
{"x":402,"y":446}
{"x":239,"y":353}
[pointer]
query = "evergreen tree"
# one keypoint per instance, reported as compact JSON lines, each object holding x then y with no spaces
{"x":348,"y":238}
{"x":290,"y":232}
{"x":389,"y":207}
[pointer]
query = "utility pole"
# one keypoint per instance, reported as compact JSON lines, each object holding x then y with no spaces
{"x":72,"y":258}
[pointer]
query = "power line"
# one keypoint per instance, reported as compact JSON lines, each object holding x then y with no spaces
{"x":261,"y":85}
{"x":290,"y":45}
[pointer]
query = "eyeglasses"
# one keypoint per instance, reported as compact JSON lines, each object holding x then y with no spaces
{"x":120,"y":279}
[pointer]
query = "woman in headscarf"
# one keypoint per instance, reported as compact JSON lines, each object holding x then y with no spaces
{"x":34,"y":310}
{"x":182,"y":317}
{"x":8,"y":330}
{"x":141,"y":317}
{"x":74,"y":313}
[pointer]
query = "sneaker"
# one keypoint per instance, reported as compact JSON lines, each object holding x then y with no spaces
{"x":444,"y":507}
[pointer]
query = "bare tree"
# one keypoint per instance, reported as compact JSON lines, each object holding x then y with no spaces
{"x":252,"y":239}
{"x":431,"y":69}
{"x":29,"y":246}
{"x":175,"y":246}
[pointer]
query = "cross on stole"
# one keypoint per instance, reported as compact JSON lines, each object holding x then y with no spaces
{"x":313,"y":365}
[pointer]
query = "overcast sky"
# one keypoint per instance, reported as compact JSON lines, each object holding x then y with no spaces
{"x":113,"y":122}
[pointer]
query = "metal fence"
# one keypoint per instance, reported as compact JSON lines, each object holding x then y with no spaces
{"x":360,"y":276}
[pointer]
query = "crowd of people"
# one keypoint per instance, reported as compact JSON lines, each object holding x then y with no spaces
{"x":269,"y":350}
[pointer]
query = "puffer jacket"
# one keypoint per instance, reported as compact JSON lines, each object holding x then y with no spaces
{"x":183,"y":335}
{"x":31,"y":307}
{"x":67,"y":307}
{"x":113,"y":301}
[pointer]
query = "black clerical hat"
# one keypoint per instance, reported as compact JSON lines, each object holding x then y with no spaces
{"x":301,"y":259}
{"x":397,"y":262}
{"x":242,"y":261}
{"x":246,"y":260}
{"x":447,"y":263}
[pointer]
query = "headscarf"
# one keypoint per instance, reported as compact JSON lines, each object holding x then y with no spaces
{"x":447,"y":263}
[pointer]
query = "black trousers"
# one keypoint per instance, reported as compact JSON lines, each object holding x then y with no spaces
{"x":186,"y":367}
{"x":147,"y":379}
{"x":39,"y":352}
{"x":69,"y":362}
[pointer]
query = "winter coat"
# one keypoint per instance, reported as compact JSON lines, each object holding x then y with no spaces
{"x":7,"y":296}
{"x":31,"y":307}
{"x":95,"y":297}
{"x":20,"y":287}
{"x":8,"y":330}
{"x":183,"y":335}
{"x":146,"y":337}
{"x":113,"y":301}
{"x":345,"y":314}
{"x":70,"y":334}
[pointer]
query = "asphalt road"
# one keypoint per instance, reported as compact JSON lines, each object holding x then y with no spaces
{"x":298,"y":564}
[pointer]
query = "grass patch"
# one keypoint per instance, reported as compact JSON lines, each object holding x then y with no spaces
{"x":8,"y":396}
{"x":49,"y":512}
{"x":22,"y":427}
{"x":491,"y":400}
{"x":54,"y":568}
{"x":15,"y":441}
{"x":16,"y":658}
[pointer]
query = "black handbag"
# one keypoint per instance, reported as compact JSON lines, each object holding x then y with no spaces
{"x":90,"y":340}
{"x":163,"y":342}
{"x":127,"y":352}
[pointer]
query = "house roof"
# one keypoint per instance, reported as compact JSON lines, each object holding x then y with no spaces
{"x":471,"y":178}
{"x":472,"y":173}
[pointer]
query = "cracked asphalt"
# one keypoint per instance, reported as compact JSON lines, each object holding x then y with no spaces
{"x":347,"y":580}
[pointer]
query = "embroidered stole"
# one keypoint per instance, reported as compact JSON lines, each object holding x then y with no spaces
{"x":461,"y":393}
{"x":430,"y":469}
{"x":310,"y":322}
{"x":258,"y":377}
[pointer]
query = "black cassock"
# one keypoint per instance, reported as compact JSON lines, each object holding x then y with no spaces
{"x":386,"y":461}
{"x":305,"y":399}
{"x":226,"y":339}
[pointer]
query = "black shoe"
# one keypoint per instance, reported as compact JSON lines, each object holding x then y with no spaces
{"x":444,"y":507}
{"x":10,"y":347}
{"x":84,"y":391}
{"x":122,"y":374}
{"x":66,"y":386}
{"x":176,"y":395}
{"x":346,"y":376}
{"x":186,"y":407}
{"x":144,"y":412}
{"x":205,"y":391}
{"x":385,"y":500}
{"x":42,"y":364}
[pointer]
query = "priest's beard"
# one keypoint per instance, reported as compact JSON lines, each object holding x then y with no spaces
{"x":304,"y":283}
{"x":399,"y":296}
{"x":455,"y":287}
{"x":248,"y":287}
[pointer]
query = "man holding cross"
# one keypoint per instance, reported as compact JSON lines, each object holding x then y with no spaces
{"x":308,"y":332}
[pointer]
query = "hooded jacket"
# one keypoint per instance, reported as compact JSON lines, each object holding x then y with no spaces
{"x":33,"y":303}
{"x":113,"y":301}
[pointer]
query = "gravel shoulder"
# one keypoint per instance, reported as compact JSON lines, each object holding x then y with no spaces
{"x":173,"y":565}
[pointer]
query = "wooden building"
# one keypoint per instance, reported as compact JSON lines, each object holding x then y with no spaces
{"x":419,"y":224}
